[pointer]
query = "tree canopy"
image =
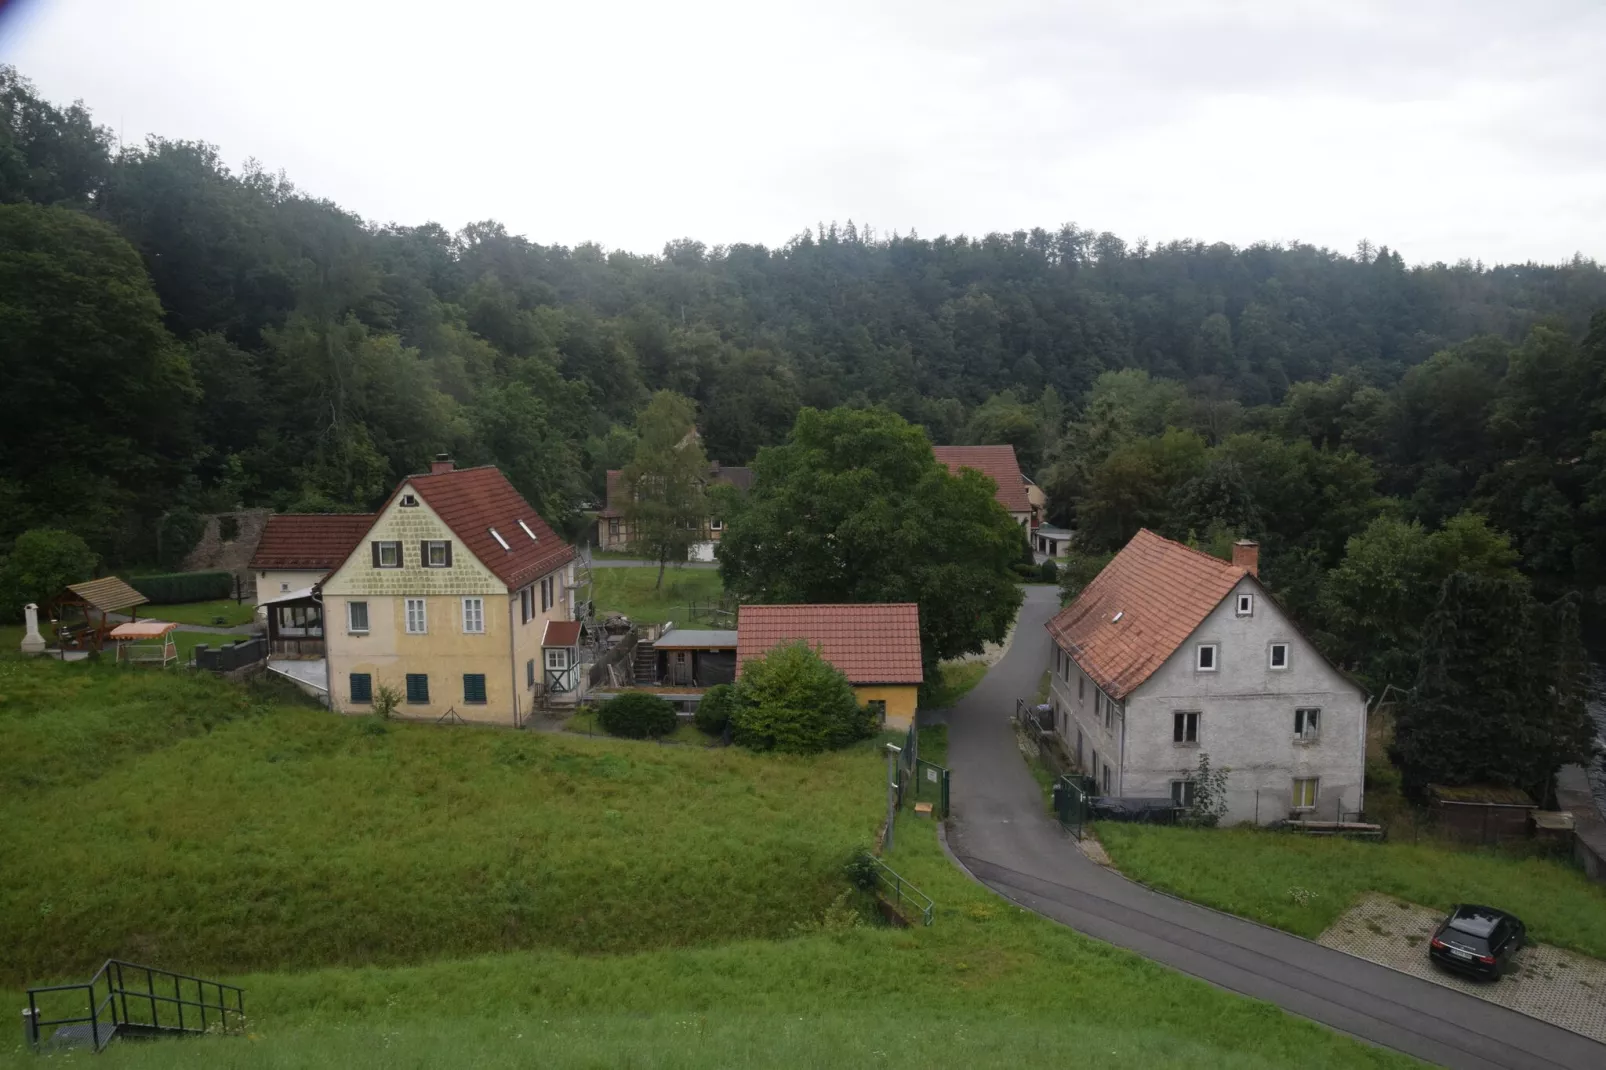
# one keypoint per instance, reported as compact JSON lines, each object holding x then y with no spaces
{"x":854,"y":507}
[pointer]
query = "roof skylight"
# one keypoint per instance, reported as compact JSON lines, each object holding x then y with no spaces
{"x":497,"y":535}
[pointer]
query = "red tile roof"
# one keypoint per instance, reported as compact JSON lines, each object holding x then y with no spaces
{"x":472,"y":501}
{"x":561,"y":633}
{"x":309,"y":540}
{"x":997,"y":463}
{"x":1161,"y":590}
{"x":875,"y":643}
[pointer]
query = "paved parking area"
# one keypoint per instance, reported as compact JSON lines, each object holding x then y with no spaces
{"x":1556,"y":986}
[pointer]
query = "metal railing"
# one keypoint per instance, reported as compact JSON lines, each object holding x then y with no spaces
{"x":129,"y":999}
{"x":902,"y":891}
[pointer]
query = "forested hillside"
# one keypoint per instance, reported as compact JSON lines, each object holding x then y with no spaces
{"x":179,"y":337}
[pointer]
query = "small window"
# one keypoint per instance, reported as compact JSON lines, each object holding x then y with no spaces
{"x":1081,"y":687}
{"x":417,"y":617}
{"x":437,"y":554}
{"x":1185,"y":727}
{"x":613,"y":527}
{"x":497,"y":535}
{"x":1279,"y":656}
{"x":526,"y":604}
{"x":526,"y":529}
{"x":474,"y":688}
{"x":357,"y":617}
{"x":1182,"y":792}
{"x":1107,"y":780}
{"x":387,"y":554}
{"x":474,"y":616}
{"x":1206,"y":657}
{"x":284,"y":588}
{"x":1305,"y":792}
{"x":716,"y":525}
{"x":409,"y":501}
{"x":1307,"y":725}
{"x":529,"y":673}
{"x":1246,"y":605}
{"x":878,"y":710}
{"x":418,"y":688}
{"x":362,"y":687}
{"x":557,"y":658}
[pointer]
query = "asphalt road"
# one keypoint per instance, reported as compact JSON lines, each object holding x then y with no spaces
{"x":1004,"y":835}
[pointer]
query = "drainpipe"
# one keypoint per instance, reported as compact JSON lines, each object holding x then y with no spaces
{"x":513,"y":655}
{"x":328,"y":662}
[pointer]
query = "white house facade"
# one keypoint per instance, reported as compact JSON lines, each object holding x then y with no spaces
{"x":1170,"y":653}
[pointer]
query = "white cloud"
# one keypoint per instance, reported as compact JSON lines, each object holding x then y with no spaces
{"x":1444,"y":129}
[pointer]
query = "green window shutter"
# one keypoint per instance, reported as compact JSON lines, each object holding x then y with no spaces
{"x":374,"y":547}
{"x":474,"y":688}
{"x":362,"y":687}
{"x":418,"y":687}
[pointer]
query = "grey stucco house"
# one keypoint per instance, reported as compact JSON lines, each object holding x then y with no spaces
{"x":1170,"y":652}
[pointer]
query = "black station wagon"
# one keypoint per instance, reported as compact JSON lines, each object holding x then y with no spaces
{"x":1478,"y":941}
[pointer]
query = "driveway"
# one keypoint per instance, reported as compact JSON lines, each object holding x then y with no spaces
{"x":1002,"y":832}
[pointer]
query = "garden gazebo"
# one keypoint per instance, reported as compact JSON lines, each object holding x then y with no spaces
{"x":98,"y":597}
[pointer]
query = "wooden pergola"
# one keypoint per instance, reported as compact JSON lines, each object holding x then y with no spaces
{"x":102,"y":596}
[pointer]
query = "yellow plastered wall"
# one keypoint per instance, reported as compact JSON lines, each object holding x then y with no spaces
{"x":444,"y":651}
{"x":901,"y":700}
{"x":527,"y":637}
{"x":273,"y":582}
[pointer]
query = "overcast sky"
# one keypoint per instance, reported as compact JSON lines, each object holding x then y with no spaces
{"x":1471,"y":128}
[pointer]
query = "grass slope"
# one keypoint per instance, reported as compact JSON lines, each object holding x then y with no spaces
{"x":633,"y":592}
{"x":1264,"y":875}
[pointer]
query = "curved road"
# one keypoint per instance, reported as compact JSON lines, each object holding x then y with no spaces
{"x":1003,"y":834}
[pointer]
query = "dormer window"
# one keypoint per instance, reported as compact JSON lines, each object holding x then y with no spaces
{"x":497,"y":535}
{"x":526,"y":529}
{"x":1205,"y":657}
{"x":1246,"y":605}
{"x":409,"y":501}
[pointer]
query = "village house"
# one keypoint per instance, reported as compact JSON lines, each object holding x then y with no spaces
{"x":459,"y":597}
{"x":613,"y":526}
{"x":1170,"y":653}
{"x":299,"y":549}
{"x":998,"y":463}
{"x":876,"y":645}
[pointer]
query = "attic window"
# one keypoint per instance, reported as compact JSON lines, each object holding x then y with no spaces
{"x":1206,"y":657}
{"x":528,"y":532}
{"x":497,"y":535}
{"x":409,"y":501}
{"x":1246,"y":605}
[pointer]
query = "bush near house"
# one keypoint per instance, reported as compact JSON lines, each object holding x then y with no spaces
{"x":794,"y":701}
{"x":714,"y":711}
{"x":180,"y":587}
{"x":637,"y":715}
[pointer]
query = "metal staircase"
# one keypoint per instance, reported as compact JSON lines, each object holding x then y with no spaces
{"x":126,"y":1000}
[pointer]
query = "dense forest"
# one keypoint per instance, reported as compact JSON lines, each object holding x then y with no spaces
{"x":177,"y":337}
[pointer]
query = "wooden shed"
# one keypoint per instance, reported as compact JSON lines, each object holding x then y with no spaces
{"x":1482,"y":813}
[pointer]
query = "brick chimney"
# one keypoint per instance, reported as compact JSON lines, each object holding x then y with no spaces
{"x":443,"y":463}
{"x":1246,"y":554}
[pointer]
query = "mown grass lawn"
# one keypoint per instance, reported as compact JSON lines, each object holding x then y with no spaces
{"x":423,"y":896}
{"x":233,"y":613}
{"x":1302,"y":884}
{"x":634,"y":592}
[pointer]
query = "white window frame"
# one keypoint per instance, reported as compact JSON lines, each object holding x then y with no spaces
{"x":474,"y":616}
{"x":528,"y":532}
{"x":1315,"y":793}
{"x":1245,"y":606}
{"x":383,"y":543}
{"x":351,"y":618}
{"x":1215,"y":657}
{"x":431,"y":545}
{"x":1307,"y":724}
{"x":1186,"y":795}
{"x":422,"y":618}
{"x":716,"y":525}
{"x":1185,"y":742}
{"x":557,"y":658}
{"x":1271,"y":656}
{"x":497,"y":535}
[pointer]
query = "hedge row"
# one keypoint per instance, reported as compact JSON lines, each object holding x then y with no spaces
{"x":173,"y":588}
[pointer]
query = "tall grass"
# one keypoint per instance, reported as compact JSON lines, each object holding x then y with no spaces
{"x":1302,"y":884}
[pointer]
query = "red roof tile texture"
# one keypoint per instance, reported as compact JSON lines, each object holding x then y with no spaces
{"x":1161,"y":590}
{"x":873,"y":643}
{"x":561,"y":633}
{"x":472,"y":501}
{"x":998,"y":463}
{"x":309,"y":540}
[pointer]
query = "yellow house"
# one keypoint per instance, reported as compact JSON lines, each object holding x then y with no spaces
{"x":447,"y":599}
{"x":875,"y":644}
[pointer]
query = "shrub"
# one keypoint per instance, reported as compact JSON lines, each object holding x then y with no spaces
{"x":637,"y":715}
{"x":1048,"y":571}
{"x":42,"y":562}
{"x":714,"y":711}
{"x":174,"y":588}
{"x":793,"y":700}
